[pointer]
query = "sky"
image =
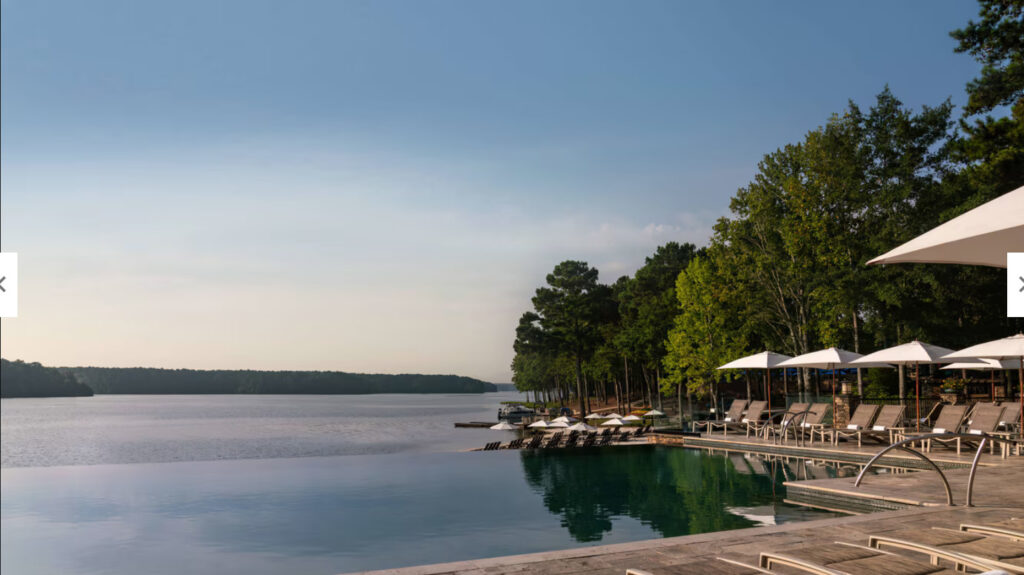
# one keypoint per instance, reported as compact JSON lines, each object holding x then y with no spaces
{"x":380,"y":186}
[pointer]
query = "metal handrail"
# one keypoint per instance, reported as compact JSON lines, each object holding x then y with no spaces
{"x":901,"y":445}
{"x":801,"y":414}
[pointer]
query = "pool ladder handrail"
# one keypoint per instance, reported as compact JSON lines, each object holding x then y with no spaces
{"x":800,"y":414}
{"x":985,"y":437}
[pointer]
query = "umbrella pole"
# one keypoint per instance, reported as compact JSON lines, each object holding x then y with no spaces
{"x":834,"y":397}
{"x":917,"y":393}
{"x":992,"y":379}
{"x":1020,"y":390}
{"x":768,"y":390}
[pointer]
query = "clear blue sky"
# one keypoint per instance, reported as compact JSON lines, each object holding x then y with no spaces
{"x":379,"y":186}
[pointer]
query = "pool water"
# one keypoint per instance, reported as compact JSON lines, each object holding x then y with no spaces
{"x":348,"y":513}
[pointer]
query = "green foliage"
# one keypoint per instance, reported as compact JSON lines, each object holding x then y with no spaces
{"x":20,"y":379}
{"x":880,"y":383}
{"x":705,"y":334}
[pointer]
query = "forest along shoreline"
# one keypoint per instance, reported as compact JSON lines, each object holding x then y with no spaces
{"x":21,"y":379}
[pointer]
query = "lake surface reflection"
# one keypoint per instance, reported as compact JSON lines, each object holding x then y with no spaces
{"x":338,"y":514}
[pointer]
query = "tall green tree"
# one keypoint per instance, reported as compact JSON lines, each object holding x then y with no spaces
{"x":705,"y":333}
{"x":569,"y":312}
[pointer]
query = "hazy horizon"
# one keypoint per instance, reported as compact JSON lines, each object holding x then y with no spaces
{"x":379,"y":187}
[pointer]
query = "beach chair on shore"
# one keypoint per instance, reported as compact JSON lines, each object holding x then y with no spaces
{"x":815,"y":420}
{"x":571,"y":440}
{"x":1012,"y":529}
{"x":492,"y":446}
{"x":535,"y":442}
{"x":732,"y":418}
{"x":963,"y":549}
{"x":553,"y":441}
{"x":756,"y":418}
{"x":886,"y":426}
{"x":589,"y":441}
{"x":515,"y":444}
{"x":605,"y":440}
{"x":861,"y":420}
{"x":845,"y":559}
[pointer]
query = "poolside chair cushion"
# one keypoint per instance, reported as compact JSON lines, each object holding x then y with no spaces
{"x":852,"y":426}
{"x":938,"y":430}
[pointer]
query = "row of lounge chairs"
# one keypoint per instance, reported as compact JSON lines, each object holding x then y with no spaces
{"x":574,"y":439}
{"x":883,"y":424}
{"x":996,"y":548}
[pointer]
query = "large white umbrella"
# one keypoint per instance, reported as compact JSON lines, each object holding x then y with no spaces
{"x":582,"y":427}
{"x":765,"y":360}
{"x":631,"y":418}
{"x":561,"y":424}
{"x":538,"y":424}
{"x":914,"y":353}
{"x":992,"y":365}
{"x":564,"y":419}
{"x":1006,"y":348}
{"x":980,"y":237}
{"x":594,"y":416}
{"x":832,"y":358}
{"x":615,"y":422}
{"x":504,"y":426}
{"x":613,"y":416}
{"x":653,"y":413}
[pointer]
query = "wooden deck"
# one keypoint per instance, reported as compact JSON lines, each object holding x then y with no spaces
{"x":743,"y":545}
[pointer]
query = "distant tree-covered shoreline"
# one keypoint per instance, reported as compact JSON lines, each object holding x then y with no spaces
{"x":20,"y":379}
{"x":144,"y":380}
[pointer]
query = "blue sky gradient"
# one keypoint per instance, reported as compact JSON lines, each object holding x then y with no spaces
{"x":379,"y":186}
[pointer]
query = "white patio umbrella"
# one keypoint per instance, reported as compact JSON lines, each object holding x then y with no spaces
{"x":561,"y":424}
{"x":594,"y":416}
{"x":653,"y":413}
{"x":979,"y":237}
{"x":914,"y":353}
{"x":539,"y":424}
{"x":766,"y":360}
{"x":582,"y":427}
{"x":613,"y":416}
{"x":1006,"y":348}
{"x":615,"y":422}
{"x":991,"y":365}
{"x":631,"y":418}
{"x":832,"y":358}
{"x":504,"y":426}
{"x":565,"y":419}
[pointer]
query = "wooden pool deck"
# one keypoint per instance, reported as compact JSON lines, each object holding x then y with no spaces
{"x":660,"y":555}
{"x":914,"y":499}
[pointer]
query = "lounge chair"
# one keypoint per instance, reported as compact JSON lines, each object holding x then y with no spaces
{"x":589,"y":441}
{"x":790,"y":419}
{"x":861,"y":420}
{"x":605,"y":440}
{"x":753,"y":418}
{"x":535,"y":442}
{"x":846,"y":559}
{"x":814,"y":422}
{"x":965,"y":550}
{"x":732,"y":418}
{"x":950,"y":418}
{"x":515,"y":444}
{"x":553,"y":441}
{"x":984,"y":419}
{"x":571,"y":441}
{"x":886,"y":426}
{"x":1012,"y":529}
{"x":492,"y":446}
{"x":1011,"y":417}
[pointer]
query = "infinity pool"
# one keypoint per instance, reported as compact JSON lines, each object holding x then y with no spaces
{"x":338,"y":514}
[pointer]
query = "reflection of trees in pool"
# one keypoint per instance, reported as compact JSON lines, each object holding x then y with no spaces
{"x":675,"y":491}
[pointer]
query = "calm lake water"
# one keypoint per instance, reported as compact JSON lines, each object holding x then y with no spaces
{"x":273,"y":484}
